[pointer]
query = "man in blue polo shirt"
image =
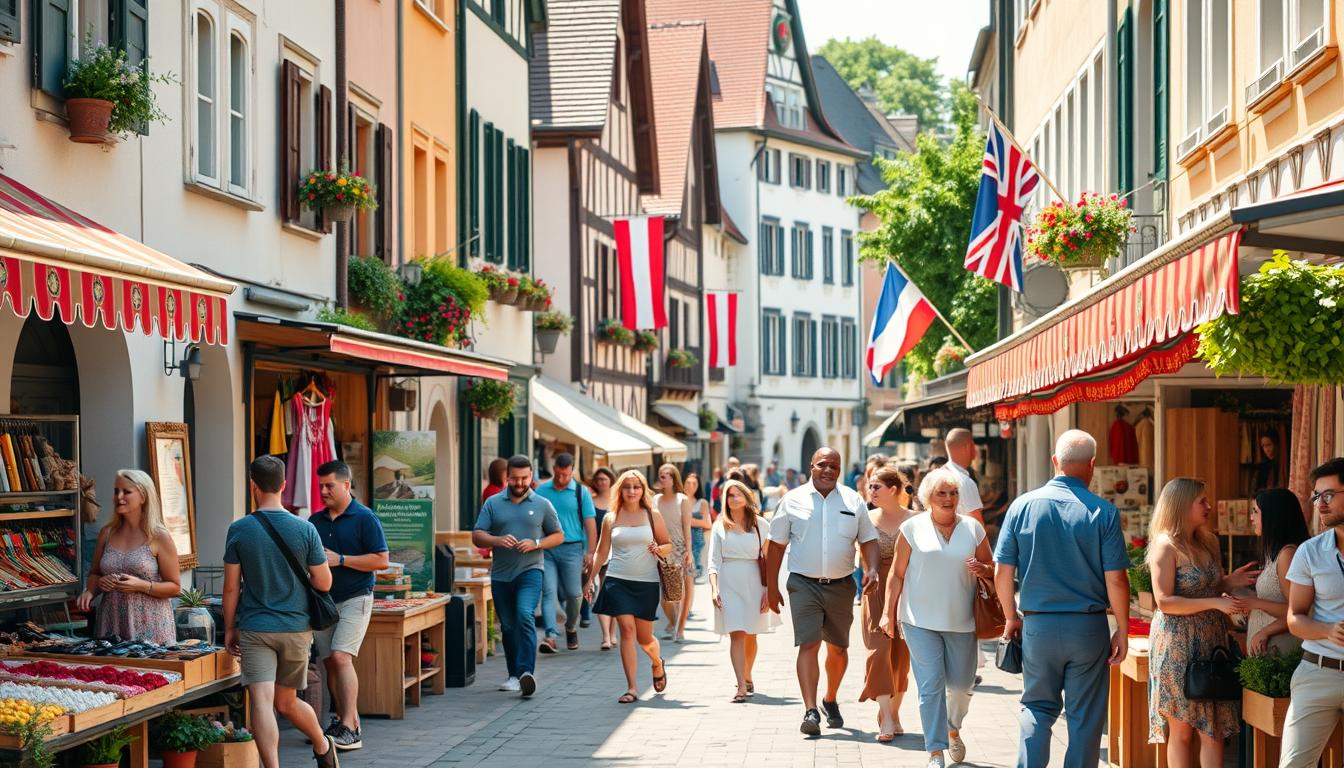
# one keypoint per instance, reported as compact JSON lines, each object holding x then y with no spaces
{"x":353,"y":538}
{"x":566,"y":564}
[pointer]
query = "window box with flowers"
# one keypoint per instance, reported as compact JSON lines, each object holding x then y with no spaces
{"x":533,"y":294}
{"x":440,"y":308}
{"x":550,"y":326}
{"x":503,"y":285}
{"x":681,"y":358}
{"x":612,"y":331}
{"x":950,"y":357}
{"x":337,"y":194}
{"x":1081,"y":235}
{"x":105,"y":96}
{"x":645,"y":341}
{"x":490,"y":399}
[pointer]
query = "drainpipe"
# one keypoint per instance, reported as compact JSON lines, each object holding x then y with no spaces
{"x":1112,"y":80}
{"x":342,"y":153}
{"x":755,"y":380}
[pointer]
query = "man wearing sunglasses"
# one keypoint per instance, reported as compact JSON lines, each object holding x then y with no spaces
{"x":1316,"y":614}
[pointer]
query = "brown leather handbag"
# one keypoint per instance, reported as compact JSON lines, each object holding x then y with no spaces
{"x":989,"y":621}
{"x":760,"y":557}
{"x":670,"y":575}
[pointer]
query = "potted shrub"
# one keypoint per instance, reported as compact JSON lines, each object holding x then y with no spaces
{"x":1140,"y":578}
{"x":950,"y":357}
{"x":193,"y":618}
{"x":337,"y":193}
{"x":681,"y":358}
{"x":180,"y":736}
{"x":1289,"y":322}
{"x":490,"y":399}
{"x":613,"y":331}
{"x":1265,"y":682}
{"x":503,"y":286}
{"x":235,"y":748}
{"x":645,"y":341}
{"x":375,"y":290}
{"x":105,"y":751}
{"x":105,"y":96}
{"x":439,"y":309}
{"x":549,"y":326}
{"x":1081,"y":235}
{"x":708,"y":421}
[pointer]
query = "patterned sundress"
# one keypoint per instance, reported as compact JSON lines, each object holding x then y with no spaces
{"x":134,"y":615}
{"x":1175,"y":640}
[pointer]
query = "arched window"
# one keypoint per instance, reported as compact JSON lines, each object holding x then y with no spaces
{"x":206,"y":80}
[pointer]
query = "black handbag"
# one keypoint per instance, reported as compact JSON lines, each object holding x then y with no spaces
{"x":1008,"y":657}
{"x":1214,"y":677}
{"x":322,"y":612}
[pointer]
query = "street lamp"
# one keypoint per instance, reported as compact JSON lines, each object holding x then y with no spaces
{"x":190,"y":365}
{"x":411,"y":272}
{"x":793,"y":422}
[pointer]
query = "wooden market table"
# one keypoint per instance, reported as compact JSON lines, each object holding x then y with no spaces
{"x":478,"y":587}
{"x":389,"y":662}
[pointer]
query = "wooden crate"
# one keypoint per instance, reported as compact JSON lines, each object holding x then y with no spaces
{"x":194,"y":672}
{"x":155,"y":697}
{"x":237,"y":754}
{"x":1264,"y":713}
{"x":81,"y":720}
{"x":226,"y":665}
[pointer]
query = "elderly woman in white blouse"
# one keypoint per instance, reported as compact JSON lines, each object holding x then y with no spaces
{"x":938,"y":556}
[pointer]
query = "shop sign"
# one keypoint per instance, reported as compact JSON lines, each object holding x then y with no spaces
{"x":403,"y":498}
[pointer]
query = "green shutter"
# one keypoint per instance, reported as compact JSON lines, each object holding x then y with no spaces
{"x":1124,"y":37}
{"x":474,"y":181}
{"x":490,"y":212}
{"x":130,"y":29}
{"x":498,"y":202}
{"x":9,"y":21}
{"x":1161,"y":48}
{"x":51,"y":52}
{"x":525,"y":210}
{"x":511,"y":204}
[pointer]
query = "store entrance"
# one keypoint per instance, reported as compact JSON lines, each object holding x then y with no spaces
{"x":45,"y":379}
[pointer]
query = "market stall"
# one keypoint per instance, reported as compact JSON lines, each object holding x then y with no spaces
{"x":403,"y":649}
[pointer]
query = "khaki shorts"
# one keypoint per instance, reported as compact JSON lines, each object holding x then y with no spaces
{"x":275,"y":657}
{"x":347,"y":634}
{"x":821,"y":611}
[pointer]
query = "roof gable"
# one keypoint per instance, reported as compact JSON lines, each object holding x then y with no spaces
{"x":681,"y":100}
{"x":856,"y":121}
{"x":573,"y":58}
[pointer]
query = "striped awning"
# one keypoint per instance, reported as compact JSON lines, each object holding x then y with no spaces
{"x":1152,"y":304}
{"x":57,"y":262}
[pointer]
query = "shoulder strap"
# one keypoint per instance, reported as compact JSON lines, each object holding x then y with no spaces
{"x":284,"y":549}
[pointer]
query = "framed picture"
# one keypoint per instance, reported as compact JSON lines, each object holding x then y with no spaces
{"x":170,"y":466}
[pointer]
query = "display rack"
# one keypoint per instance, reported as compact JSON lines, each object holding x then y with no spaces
{"x":46,"y":507}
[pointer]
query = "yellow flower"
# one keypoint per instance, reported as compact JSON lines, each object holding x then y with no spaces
{"x":341,"y":182}
{"x":312,"y":179}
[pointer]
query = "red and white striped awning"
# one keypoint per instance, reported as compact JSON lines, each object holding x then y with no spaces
{"x":1147,"y":306}
{"x":55,"y":261}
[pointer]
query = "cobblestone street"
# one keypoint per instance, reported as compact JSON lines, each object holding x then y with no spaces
{"x":574,"y":719}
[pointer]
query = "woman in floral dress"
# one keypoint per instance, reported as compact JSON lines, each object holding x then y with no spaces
{"x":1192,"y":605}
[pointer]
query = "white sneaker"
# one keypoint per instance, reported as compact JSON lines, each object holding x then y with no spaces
{"x":935,"y":761}
{"x":527,"y":684}
{"x":956,"y":749}
{"x":511,"y":685}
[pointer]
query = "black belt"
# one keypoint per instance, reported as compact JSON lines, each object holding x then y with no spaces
{"x":1323,"y":661}
{"x":816,"y":580}
{"x":1062,"y":613}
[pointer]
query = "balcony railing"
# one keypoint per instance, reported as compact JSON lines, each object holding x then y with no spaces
{"x":692,"y":378}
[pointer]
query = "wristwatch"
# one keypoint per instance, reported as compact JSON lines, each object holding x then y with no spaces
{"x":342,"y":562}
{"x":538,"y":543}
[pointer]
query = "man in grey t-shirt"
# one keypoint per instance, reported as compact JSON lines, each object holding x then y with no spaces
{"x":517,"y":525}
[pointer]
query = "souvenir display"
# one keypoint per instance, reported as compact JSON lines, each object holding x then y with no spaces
{"x":71,"y":699}
{"x":33,"y":557}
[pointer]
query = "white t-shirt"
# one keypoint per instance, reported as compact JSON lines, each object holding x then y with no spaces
{"x":968,"y":499}
{"x":1318,"y":564}
{"x":939,"y":587}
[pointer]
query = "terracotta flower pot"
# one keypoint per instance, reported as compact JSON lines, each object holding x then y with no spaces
{"x":339,"y":213}
{"x":179,"y":759}
{"x":88,"y":120}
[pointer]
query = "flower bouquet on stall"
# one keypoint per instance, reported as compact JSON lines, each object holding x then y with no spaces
{"x":337,"y":194}
{"x":1081,"y":235}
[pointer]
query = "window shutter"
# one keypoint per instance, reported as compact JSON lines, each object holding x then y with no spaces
{"x":474,"y":181}
{"x":130,"y":29}
{"x":346,"y":155}
{"x":9,"y":21}
{"x":498,"y":202}
{"x":525,"y":209}
{"x":51,"y":54}
{"x":807,"y":233}
{"x":323,"y":125}
{"x":1160,"y":88}
{"x":385,"y":234}
{"x":511,"y":204}
{"x":489,"y":192}
{"x":290,"y":145}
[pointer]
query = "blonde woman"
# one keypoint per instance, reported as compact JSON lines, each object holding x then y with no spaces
{"x":1191,"y":593}
{"x":675,"y":507}
{"x":632,"y":539}
{"x":887,"y":674}
{"x":135,"y":566}
{"x":736,"y":541}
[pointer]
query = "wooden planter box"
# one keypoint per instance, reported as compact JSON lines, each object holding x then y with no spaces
{"x":1264,"y":713}
{"x":235,"y":754}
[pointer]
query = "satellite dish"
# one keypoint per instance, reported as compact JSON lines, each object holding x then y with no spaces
{"x":1044,"y":287}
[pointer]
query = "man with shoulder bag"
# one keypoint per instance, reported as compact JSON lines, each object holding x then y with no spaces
{"x":270,"y":611}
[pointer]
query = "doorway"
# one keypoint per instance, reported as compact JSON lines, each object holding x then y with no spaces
{"x":811,"y":442}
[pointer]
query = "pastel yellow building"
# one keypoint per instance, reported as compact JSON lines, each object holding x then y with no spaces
{"x":429,"y":128}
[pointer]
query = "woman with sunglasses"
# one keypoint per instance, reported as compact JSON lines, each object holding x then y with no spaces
{"x":886,"y":676}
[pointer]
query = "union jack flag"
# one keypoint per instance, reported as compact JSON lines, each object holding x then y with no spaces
{"x":1006,"y":186}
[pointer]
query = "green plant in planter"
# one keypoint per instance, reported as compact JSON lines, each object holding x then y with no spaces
{"x":681,"y":358}
{"x":553,"y":321}
{"x":1271,"y":674}
{"x":439,"y":310}
{"x":374,"y":286}
{"x":107,"y":749}
{"x":708,"y":420}
{"x":645,"y":341}
{"x":338,"y":316}
{"x":32,"y":737}
{"x":490,"y":399}
{"x":535,"y":291}
{"x":1081,"y":234}
{"x":614,"y":331}
{"x":103,"y":73}
{"x":502,"y":285}
{"x":1140,"y":577}
{"x":1290,"y":327}
{"x":950,"y":357}
{"x":177,"y":731}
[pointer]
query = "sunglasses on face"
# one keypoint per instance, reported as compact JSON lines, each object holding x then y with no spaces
{"x":1326,"y":497}
{"x":879,"y":486}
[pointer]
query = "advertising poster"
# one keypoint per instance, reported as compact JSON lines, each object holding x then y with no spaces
{"x":403,"y":499}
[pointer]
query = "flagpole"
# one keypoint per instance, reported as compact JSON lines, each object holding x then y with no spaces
{"x":934,"y":307}
{"x":1009,"y":134}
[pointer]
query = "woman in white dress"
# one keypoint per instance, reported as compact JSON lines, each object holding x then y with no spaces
{"x":741,"y":611}
{"x":675,"y":507}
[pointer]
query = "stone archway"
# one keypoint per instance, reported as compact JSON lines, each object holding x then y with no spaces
{"x":811,"y":442}
{"x":441,"y":426}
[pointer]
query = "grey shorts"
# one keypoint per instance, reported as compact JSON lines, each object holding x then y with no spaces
{"x":347,"y":634}
{"x":821,"y":611}
{"x":275,"y":657}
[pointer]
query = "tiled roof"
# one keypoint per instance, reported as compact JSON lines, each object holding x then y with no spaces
{"x":855,"y":121}
{"x":674,"y":61}
{"x":739,"y":39}
{"x":572,"y":64}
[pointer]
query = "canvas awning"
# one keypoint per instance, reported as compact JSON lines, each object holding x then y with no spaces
{"x":685,"y":418}
{"x":572,"y":417}
{"x":62,"y":264}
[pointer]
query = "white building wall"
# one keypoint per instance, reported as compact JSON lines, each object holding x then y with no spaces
{"x":552,"y":259}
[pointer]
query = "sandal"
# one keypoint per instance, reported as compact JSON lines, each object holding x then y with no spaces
{"x":886,"y":738}
{"x":605,"y":646}
{"x":660,"y":681}
{"x":751,"y":688}
{"x":627,"y":698}
{"x":740,"y":698}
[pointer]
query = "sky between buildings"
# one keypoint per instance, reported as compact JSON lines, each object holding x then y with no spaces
{"x":945,"y":29}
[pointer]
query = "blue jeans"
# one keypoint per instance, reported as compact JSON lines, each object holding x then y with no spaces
{"x":1064,"y":660}
{"x":944,"y":667}
{"x":514,"y":603}
{"x":564,"y":579}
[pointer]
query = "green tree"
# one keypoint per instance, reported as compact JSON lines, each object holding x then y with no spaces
{"x":904,"y":83}
{"x":926,"y":223}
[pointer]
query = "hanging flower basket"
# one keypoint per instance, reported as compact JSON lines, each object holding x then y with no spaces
{"x":503,"y":285}
{"x":337,"y":194}
{"x":490,"y":399}
{"x":1081,"y":235}
{"x":613,"y":332}
{"x":680,"y":358}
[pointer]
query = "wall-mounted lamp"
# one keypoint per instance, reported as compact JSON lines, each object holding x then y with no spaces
{"x":189,"y":367}
{"x":411,"y":272}
{"x":793,"y":422}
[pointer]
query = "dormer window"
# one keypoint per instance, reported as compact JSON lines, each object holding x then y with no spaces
{"x":788,"y":101}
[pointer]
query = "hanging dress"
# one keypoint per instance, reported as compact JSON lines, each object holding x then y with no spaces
{"x":312,"y":445}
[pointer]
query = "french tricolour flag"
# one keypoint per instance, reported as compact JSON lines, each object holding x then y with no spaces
{"x":721,"y":308}
{"x":902,"y":317}
{"x":639,"y":248}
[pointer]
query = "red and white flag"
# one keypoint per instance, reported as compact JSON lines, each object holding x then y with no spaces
{"x":639,"y":247}
{"x":721,"y":306}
